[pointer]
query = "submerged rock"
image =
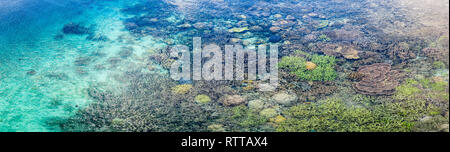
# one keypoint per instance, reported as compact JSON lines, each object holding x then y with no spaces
{"x":322,"y":24}
{"x":31,"y":72}
{"x":284,"y":98}
{"x":74,"y":28}
{"x":313,"y":14}
{"x":275,"y":38}
{"x":278,"y":16}
{"x":290,"y":17}
{"x":233,"y":100}
{"x":242,"y":24}
{"x":201,"y":25}
{"x":83,"y":61}
{"x":256,"y":104}
{"x":186,"y":25}
{"x":235,"y":40}
{"x":126,"y":52}
{"x":256,"y":28}
{"x":97,"y":37}
{"x":275,"y":29}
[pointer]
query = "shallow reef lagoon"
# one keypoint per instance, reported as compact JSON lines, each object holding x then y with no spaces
{"x":344,"y":65}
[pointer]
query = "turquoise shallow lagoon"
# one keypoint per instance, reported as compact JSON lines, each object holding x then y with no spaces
{"x":28,"y":41}
{"x":93,"y":65}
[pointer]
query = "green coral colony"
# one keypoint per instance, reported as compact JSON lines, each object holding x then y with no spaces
{"x":297,"y":65}
{"x":338,"y":70}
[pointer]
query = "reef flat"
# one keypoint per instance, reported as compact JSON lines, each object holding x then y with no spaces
{"x":359,"y":66}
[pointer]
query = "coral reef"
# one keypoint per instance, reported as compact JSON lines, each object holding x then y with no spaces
{"x":437,"y":54}
{"x":243,"y":119}
{"x":401,"y":52}
{"x":327,"y":47}
{"x":355,"y":76}
{"x":378,"y":79}
{"x":146,"y":106}
{"x":75,"y":28}
{"x":337,"y":50}
{"x":433,"y":93}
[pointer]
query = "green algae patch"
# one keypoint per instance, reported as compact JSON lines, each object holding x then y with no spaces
{"x":333,"y":115}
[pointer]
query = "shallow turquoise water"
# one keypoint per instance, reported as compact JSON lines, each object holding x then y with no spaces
{"x":28,"y":102}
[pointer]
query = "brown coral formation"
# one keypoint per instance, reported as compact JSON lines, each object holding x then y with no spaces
{"x":437,"y":54}
{"x":401,"y":52}
{"x":367,"y":58}
{"x":378,"y":79}
{"x":347,"y":51}
{"x":355,"y":76}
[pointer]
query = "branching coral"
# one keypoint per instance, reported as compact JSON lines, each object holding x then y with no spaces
{"x":333,"y":115}
{"x":324,"y":71}
{"x":147,"y":105}
{"x":401,"y":52}
{"x":244,"y":119}
{"x":431,"y":94}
